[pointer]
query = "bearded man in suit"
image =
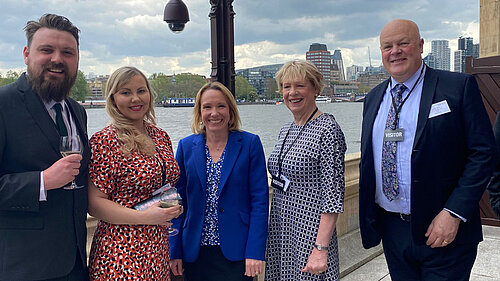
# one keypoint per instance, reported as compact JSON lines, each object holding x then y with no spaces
{"x":42,"y":224}
{"x":427,"y":153}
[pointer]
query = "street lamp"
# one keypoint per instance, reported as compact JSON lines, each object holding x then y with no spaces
{"x":222,"y":35}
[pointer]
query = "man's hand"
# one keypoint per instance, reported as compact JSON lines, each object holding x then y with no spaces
{"x":62,"y":172}
{"x":442,"y":230}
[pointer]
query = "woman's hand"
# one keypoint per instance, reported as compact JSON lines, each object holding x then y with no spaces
{"x":176,"y":266}
{"x":317,"y":262}
{"x":158,"y":215}
{"x":253,"y":267}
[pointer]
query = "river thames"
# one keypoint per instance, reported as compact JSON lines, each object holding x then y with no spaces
{"x":263,"y":120}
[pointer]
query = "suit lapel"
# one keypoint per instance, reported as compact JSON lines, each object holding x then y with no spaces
{"x":428,"y":91}
{"x":370,"y":115}
{"x":40,"y":115}
{"x":233,"y":148}
{"x":200,"y":160}
{"x":80,"y":125}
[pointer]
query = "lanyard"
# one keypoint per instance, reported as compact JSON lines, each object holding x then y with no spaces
{"x":397,"y":110}
{"x":280,"y":158}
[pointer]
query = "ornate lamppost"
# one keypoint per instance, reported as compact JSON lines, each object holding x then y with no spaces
{"x":222,"y":35}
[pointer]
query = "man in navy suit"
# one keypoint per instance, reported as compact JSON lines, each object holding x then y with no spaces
{"x":427,"y":153}
{"x":42,"y":225}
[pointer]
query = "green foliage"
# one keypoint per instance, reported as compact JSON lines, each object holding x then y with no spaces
{"x":363,"y":89}
{"x":243,"y":90}
{"x":186,"y":85}
{"x":271,"y":92}
{"x":81,"y":89}
{"x":10,"y":77}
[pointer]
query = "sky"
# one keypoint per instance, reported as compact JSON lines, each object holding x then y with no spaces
{"x":116,"y":33}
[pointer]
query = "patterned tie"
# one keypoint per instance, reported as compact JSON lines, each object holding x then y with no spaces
{"x":59,"y":120}
{"x":390,"y":181}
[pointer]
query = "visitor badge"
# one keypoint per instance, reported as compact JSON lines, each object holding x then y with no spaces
{"x":394,"y":135}
{"x":280,"y":183}
{"x":439,"y":108}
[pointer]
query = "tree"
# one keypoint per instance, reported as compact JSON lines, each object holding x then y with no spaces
{"x":11,"y":77}
{"x":80,"y":89}
{"x":364,"y":89}
{"x":271,"y":92}
{"x":185,"y":85}
{"x":243,"y":89}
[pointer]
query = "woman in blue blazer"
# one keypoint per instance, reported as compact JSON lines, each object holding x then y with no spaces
{"x":223,"y":183}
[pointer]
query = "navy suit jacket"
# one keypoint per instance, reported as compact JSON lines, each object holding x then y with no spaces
{"x":38,"y":239}
{"x":243,"y":198}
{"x":451,"y":162}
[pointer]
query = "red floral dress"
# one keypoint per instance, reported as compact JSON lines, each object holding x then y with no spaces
{"x":130,"y":252}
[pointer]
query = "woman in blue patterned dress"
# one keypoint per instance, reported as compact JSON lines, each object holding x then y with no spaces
{"x":223,"y":183}
{"x":307,"y":166}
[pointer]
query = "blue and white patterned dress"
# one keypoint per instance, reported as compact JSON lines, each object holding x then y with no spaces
{"x":210,"y":231}
{"x":315,"y":167}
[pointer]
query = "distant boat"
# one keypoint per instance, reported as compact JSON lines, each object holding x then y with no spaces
{"x":323,"y":99}
{"x":179,"y":102}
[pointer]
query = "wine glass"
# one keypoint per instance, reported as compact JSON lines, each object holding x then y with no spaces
{"x":171,"y":198}
{"x":70,"y":145}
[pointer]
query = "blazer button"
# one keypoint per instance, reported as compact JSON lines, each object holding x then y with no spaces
{"x":221,"y":210}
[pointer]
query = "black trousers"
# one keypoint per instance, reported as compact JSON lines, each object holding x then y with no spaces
{"x":411,"y":262}
{"x":211,"y":265}
{"x":78,"y":273}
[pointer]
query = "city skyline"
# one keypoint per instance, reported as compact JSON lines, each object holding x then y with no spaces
{"x":117,"y":33}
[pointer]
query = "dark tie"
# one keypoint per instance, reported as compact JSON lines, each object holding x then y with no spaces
{"x":59,"y":120}
{"x":390,"y":181}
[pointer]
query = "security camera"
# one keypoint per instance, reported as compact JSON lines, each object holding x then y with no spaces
{"x":176,"y":15}
{"x":176,"y":27}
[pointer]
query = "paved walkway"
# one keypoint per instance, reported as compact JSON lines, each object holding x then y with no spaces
{"x":486,"y":267}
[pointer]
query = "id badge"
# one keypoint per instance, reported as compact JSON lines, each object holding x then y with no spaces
{"x":280,"y":183}
{"x":394,"y":135}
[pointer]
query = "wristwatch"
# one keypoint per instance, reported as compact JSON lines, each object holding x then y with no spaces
{"x":320,"y":248}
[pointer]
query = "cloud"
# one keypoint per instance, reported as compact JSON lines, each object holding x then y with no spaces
{"x":116,"y":32}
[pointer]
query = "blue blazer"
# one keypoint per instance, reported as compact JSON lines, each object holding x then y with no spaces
{"x":451,"y":162}
{"x":243,"y":198}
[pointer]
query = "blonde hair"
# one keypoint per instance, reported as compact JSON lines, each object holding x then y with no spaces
{"x":131,"y":138}
{"x":234,"y":117}
{"x":298,"y":70}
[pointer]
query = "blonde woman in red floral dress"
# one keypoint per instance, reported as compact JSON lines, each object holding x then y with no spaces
{"x":131,"y":158}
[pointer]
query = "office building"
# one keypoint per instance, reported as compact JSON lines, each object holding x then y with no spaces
{"x":441,"y":53}
{"x":319,"y":55}
{"x":352,"y":72}
{"x":337,"y":60}
{"x":429,"y":60}
{"x":257,"y":76}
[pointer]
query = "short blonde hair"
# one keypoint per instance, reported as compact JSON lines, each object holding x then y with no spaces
{"x":234,"y":117}
{"x":298,"y":70}
{"x":131,"y":138}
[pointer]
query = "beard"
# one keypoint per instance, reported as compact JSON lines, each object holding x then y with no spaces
{"x":51,"y":88}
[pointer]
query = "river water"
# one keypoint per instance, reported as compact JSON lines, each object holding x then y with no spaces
{"x":263,"y":120}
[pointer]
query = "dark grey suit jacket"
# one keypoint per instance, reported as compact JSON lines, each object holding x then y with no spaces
{"x":38,"y":239}
{"x":451,"y":163}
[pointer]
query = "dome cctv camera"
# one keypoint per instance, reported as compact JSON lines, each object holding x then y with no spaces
{"x":176,"y":27}
{"x":176,"y":15}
